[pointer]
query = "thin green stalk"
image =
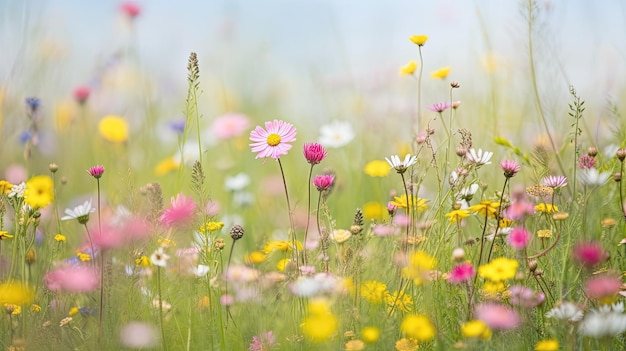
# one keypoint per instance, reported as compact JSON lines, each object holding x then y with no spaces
{"x":498,"y":216}
{"x":159,"y":291}
{"x":308,"y":213}
{"x":419,"y":91}
{"x":292,"y":226}
{"x":409,"y":203}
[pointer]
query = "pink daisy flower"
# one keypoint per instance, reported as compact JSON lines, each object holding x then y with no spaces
{"x":510,"y":168}
{"x":497,"y":316}
{"x":604,"y":287}
{"x":439,"y":107}
{"x":519,"y":210}
{"x":461,"y":273}
{"x":518,"y":238}
{"x":588,"y":253}
{"x":273,"y":141}
{"x":74,"y":279}
{"x":182,"y":211}
{"x":230,"y":125}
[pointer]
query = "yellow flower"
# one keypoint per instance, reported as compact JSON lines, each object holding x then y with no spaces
{"x":59,"y":237}
{"x":370,"y":334}
{"x":143,"y":261}
{"x":485,"y":208}
{"x":476,"y":329}
{"x":419,"y":267}
{"x":5,"y":187}
{"x":83,"y":257}
{"x":374,"y":210}
{"x":72,"y":311}
{"x":457,"y":215}
{"x":418,"y":327}
{"x":354,"y":345}
{"x":408,"y":69}
{"x":377,"y":168}
{"x":204,"y":302}
{"x":547,"y":345}
{"x":282,"y":264}
{"x":505,"y":223}
{"x":340,"y":235}
{"x":405,"y":344}
{"x":373,"y":291}
{"x":441,"y":73}
{"x":5,"y":235}
{"x":255,"y":257}
{"x":35,"y":308}
{"x":39,"y":191}
{"x":113,"y":128}
{"x":493,"y":289}
{"x":499,"y":269}
{"x":167,"y":165}
{"x":419,"y":39}
{"x":544,"y":233}
{"x":12,"y":308}
{"x":399,"y":301}
{"x":15,"y":293}
{"x":546,"y":208}
{"x":63,"y":115}
{"x":211,"y":227}
{"x":320,"y":324}
{"x":401,"y":202}
{"x":165,"y":243}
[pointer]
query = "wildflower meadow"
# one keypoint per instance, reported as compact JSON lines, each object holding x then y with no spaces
{"x":448,"y":197}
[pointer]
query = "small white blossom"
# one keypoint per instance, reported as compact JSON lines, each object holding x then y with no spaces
{"x":237,"y":182}
{"x":200,"y":271}
{"x":159,"y":258}
{"x":566,"y":311}
{"x":80,"y":212}
{"x":604,"y":321}
{"x":479,"y":158}
{"x":336,"y":134}
{"x":401,"y":166}
{"x":18,"y":190}
{"x":591,"y":176}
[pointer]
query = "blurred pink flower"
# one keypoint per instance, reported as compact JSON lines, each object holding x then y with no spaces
{"x":74,"y":279}
{"x":497,"y":316}
{"x":382,"y":230}
{"x":230,"y":125}
{"x":15,"y":174}
{"x":81,"y":93}
{"x":439,"y":107}
{"x":263,"y":342}
{"x":518,"y":238}
{"x":604,"y":287}
{"x":181,"y":213}
{"x":586,"y":162}
{"x":588,"y":253}
{"x":461,"y":273}
{"x":117,"y":234}
{"x":130,"y":9}
{"x":314,"y":153}
{"x":273,"y":141}
{"x":525,"y":297}
{"x":519,"y":210}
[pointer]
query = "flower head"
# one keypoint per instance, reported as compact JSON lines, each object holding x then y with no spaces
{"x":585,"y":161}
{"x":39,"y":191}
{"x":554,"y":181}
{"x":419,"y":39}
{"x":588,"y":253}
{"x":401,"y":166}
{"x":96,"y":171}
{"x":479,"y":158}
{"x":80,"y":212}
{"x":33,"y":103}
{"x":314,"y":153}
{"x":518,"y":238}
{"x":476,"y":329}
{"x":525,"y":297}
{"x":113,"y":129}
{"x":130,"y":9}
{"x":74,"y":279}
{"x":263,"y":342}
{"x":336,"y":134}
{"x":418,"y":327}
{"x":461,"y":273}
{"x":510,"y":168}
{"x":439,"y":107}
{"x":323,"y":181}
{"x":440,"y":73}
{"x":408,"y":69}
{"x":416,"y":203}
{"x":376,"y":168}
{"x":547,"y":345}
{"x":566,"y":311}
{"x":604,"y":288}
{"x":159,"y":258}
{"x":499,"y":269}
{"x":273,"y":141}
{"x":604,"y":321}
{"x":591,"y":176}
{"x":181,"y":212}
{"x":230,"y":125}
{"x":497,"y":316}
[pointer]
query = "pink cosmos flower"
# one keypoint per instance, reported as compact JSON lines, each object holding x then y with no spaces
{"x":519,"y":210}
{"x":314,"y":153}
{"x":525,"y":297}
{"x":554,"y":181}
{"x":273,"y":141}
{"x":461,"y":273}
{"x":230,"y":125}
{"x":603,"y":287}
{"x":323,"y":181}
{"x":588,"y":253}
{"x":96,"y":171}
{"x":182,"y":211}
{"x":130,"y":9}
{"x":74,"y":279}
{"x":518,"y":238}
{"x":81,"y":94}
{"x":439,"y":107}
{"x":497,"y":316}
{"x":510,"y":168}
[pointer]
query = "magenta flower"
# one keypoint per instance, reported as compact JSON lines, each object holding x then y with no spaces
{"x":509,"y":167}
{"x":461,"y":273}
{"x":323,"y":181}
{"x":555,"y":182}
{"x":273,"y":141}
{"x":586,"y":162}
{"x":525,"y":297}
{"x":81,"y":94}
{"x":588,"y":253}
{"x":518,"y":238}
{"x":115,"y":234}
{"x":519,"y":210}
{"x":314,"y":153}
{"x":439,"y":107}
{"x":96,"y":171}
{"x":230,"y":125}
{"x":263,"y":342}
{"x":497,"y":316}
{"x":604,"y":287}
{"x":74,"y":279}
{"x":181,"y":212}
{"x":130,"y":9}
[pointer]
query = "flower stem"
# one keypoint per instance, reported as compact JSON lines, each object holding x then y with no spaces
{"x":419,"y":91}
{"x":161,"y":307}
{"x":308,"y":214}
{"x":292,"y":227}
{"x":409,"y":203}
{"x":498,"y":216}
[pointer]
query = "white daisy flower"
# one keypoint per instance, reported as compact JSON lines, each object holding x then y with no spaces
{"x":480,"y":157}
{"x":336,"y":134}
{"x":566,"y":311}
{"x":604,"y":321}
{"x":159,"y":258}
{"x":401,"y":166}
{"x":591,"y":176}
{"x":80,"y":212}
{"x":237,"y":182}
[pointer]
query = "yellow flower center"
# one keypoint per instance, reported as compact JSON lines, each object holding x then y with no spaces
{"x":273,"y":139}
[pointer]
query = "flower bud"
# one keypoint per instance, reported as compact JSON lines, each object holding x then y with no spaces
{"x":236,"y":232}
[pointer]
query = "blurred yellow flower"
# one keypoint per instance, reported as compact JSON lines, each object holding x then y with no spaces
{"x":35,"y":308}
{"x":15,"y":293}
{"x":39,"y":191}
{"x":113,"y":128}
{"x":499,"y":269}
{"x":476,"y":329}
{"x":83,"y":257}
{"x":457,"y":215}
{"x":167,"y":165}
{"x":374,"y":210}
{"x":63,"y":115}
{"x":72,"y":311}
{"x":401,"y":202}
{"x":419,"y":39}
{"x":59,"y":237}
{"x":354,"y":345}
{"x":282,"y":264}
{"x":5,"y":235}
{"x":370,"y":334}
{"x":418,"y":327}
{"x":12,"y":308}
{"x":373,"y":291}
{"x":255,"y":257}
{"x":143,"y":261}
{"x":277,"y":245}
{"x":408,"y":69}
{"x":405,"y":344}
{"x":377,"y":168}
{"x":419,"y":267}
{"x":546,"y":208}
{"x":547,"y":345}
{"x":441,"y":73}
{"x":5,"y":187}
{"x":320,"y":324}
{"x":399,"y":301}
